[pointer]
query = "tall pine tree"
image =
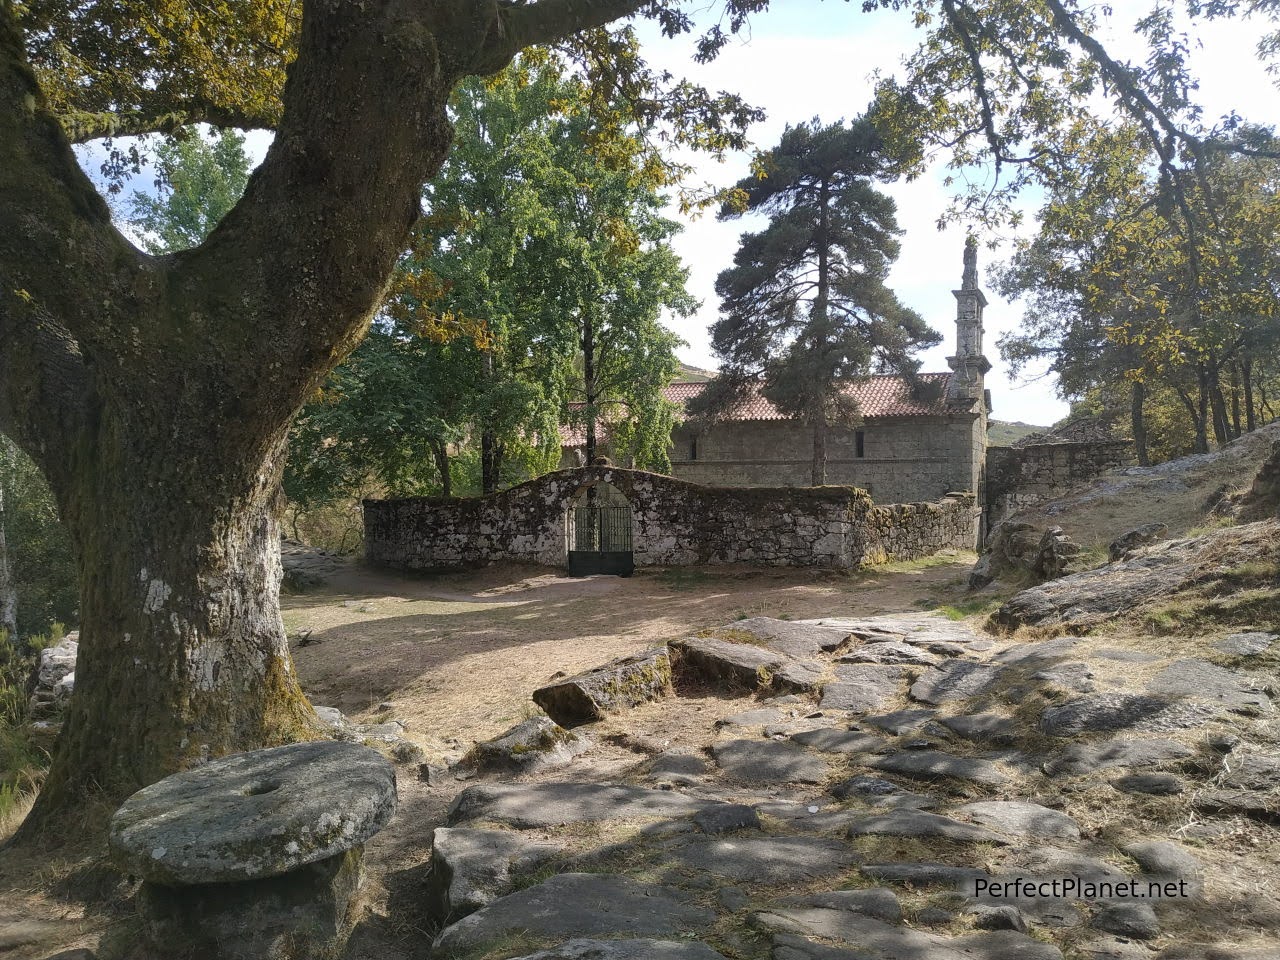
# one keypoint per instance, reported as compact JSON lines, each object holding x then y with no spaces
{"x":805,"y":311}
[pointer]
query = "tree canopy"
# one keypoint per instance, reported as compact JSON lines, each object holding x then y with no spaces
{"x":531,"y":297}
{"x":37,"y":571}
{"x":805,"y":310}
{"x":198,"y":181}
{"x":155,"y":393}
{"x":1123,"y":288}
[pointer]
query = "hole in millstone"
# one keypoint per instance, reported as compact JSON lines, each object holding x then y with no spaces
{"x":261,"y":787}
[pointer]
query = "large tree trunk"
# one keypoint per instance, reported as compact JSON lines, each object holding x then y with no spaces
{"x":1246,"y":383}
{"x":590,"y":387}
{"x":155,"y":393}
{"x":819,"y":472}
{"x":1203,"y":411}
{"x":1218,"y":405}
{"x":441,"y":453}
{"x":183,"y":652}
{"x":1196,"y":412}
{"x":1236,"y":426}
{"x":488,"y":462}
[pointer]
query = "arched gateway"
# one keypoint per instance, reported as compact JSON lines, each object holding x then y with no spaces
{"x":598,"y":531}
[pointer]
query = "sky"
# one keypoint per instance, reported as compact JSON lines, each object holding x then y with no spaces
{"x":815,"y":58}
{"x":808,"y":58}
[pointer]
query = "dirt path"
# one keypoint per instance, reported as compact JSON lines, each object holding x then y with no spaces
{"x":459,"y":655}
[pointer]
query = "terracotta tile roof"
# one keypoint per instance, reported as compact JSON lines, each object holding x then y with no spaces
{"x":885,"y":395}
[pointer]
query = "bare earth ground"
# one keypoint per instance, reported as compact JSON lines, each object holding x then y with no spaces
{"x":458,"y":656}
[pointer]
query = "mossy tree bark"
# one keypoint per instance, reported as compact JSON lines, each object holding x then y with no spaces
{"x":156,"y":392}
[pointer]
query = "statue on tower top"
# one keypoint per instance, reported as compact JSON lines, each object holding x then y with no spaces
{"x":970,"y":278}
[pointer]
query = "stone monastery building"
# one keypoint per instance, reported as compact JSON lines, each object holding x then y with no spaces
{"x":911,"y":446}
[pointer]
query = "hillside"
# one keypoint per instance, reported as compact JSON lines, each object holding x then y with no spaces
{"x":1180,"y":493}
{"x":690,"y":374}
{"x":1004,"y":433}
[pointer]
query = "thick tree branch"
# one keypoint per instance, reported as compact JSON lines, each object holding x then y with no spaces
{"x":1120,"y":76}
{"x":979,"y":78}
{"x":82,"y":127}
{"x":44,"y":387}
{"x":522,"y":25}
{"x":68,"y":279}
{"x":325,"y":217}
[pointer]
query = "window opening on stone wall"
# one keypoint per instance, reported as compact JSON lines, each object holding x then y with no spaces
{"x":598,"y":532}
{"x":693,"y":449}
{"x":859,"y":443}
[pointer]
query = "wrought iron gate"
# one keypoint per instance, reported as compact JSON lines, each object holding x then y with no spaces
{"x":600,"y":541}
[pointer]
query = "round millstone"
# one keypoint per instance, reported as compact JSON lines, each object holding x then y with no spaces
{"x":254,"y":815}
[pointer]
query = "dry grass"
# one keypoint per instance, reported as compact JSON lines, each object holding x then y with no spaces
{"x":1181,"y":498}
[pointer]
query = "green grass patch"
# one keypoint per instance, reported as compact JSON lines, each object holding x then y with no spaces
{"x":963,"y":609}
{"x":1209,"y":525}
{"x":1254,"y":571}
{"x":1250,"y":607}
{"x":734,"y":635}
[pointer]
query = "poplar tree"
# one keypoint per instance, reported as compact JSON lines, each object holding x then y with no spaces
{"x":804,"y":309}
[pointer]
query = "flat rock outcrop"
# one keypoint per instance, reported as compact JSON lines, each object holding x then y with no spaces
{"x":863,"y":687}
{"x":555,"y":804}
{"x":1201,"y":680}
{"x":761,"y":841}
{"x":916,"y":823}
{"x":1103,"y":712}
{"x":870,"y":938}
{"x":956,"y":680}
{"x":472,"y":868}
{"x":766,"y":859}
{"x":931,"y":765}
{"x":1094,"y":596}
{"x":1021,"y":819}
{"x":538,"y":743}
{"x":795,"y":638}
{"x":626,"y":950}
{"x":572,"y":905}
{"x":770,"y":761}
{"x":735,"y":665}
{"x":1080,"y":759}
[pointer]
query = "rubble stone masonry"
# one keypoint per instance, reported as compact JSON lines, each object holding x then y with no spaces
{"x":674,"y":523}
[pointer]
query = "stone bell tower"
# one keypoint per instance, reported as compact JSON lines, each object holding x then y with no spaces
{"x":967,"y":388}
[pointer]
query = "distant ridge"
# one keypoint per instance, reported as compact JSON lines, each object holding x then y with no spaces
{"x":1003,"y":433}
{"x":686,"y":373}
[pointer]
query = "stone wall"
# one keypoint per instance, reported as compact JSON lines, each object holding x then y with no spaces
{"x":674,"y":523}
{"x":1020,"y":477}
{"x":907,"y":531}
{"x":904,"y":459}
